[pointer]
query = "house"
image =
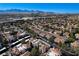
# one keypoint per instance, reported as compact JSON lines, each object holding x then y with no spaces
{"x":77,"y":35}
{"x":15,"y":51}
{"x":20,"y":49}
{"x":23,"y":47}
{"x":66,"y":34}
{"x":54,"y":52}
{"x":59,"y":40}
{"x":43,"y":48}
{"x":75,"y":44}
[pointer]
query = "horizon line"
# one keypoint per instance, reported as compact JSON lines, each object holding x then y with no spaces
{"x":41,"y":10}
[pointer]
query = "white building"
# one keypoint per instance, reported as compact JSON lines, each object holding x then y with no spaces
{"x":54,"y":52}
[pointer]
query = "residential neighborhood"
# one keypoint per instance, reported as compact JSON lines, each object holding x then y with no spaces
{"x":45,"y":31}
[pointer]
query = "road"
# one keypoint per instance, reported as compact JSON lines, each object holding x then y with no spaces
{"x":4,"y":49}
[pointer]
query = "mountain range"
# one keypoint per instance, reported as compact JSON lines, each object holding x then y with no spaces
{"x":22,"y":11}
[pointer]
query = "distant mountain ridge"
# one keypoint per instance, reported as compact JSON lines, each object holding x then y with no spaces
{"x":20,"y":10}
{"x":15,"y":10}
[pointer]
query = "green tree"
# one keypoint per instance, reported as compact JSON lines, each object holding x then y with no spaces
{"x":70,"y":40}
{"x":72,"y":35}
{"x":51,"y":39}
{"x":5,"y":42}
{"x":76,"y":30}
{"x":62,"y":45}
{"x":35,"y":51}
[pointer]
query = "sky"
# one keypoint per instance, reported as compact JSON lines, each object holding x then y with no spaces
{"x":49,"y":7}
